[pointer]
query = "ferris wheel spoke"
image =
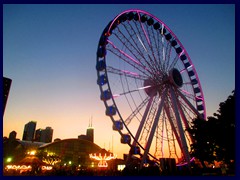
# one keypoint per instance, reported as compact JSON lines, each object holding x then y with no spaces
{"x":142,"y":39}
{"x":138,"y":39}
{"x":171,"y":140}
{"x":185,"y":69}
{"x":184,"y":119}
{"x":136,"y":111}
{"x":130,"y":29}
{"x":159,"y":152}
{"x":120,"y":35}
{"x":160,"y":54}
{"x":134,"y":51}
{"x":172,"y":65}
{"x":163,"y":47}
{"x":157,"y":46}
{"x":154,"y":126}
{"x":189,"y":104}
{"x":142,"y":122}
{"x":168,"y":55}
{"x":189,"y":95}
{"x":127,"y":58}
{"x":144,"y":31}
{"x":149,"y":120}
{"x":173,"y":124}
{"x":131,"y":91}
{"x":150,"y":64}
{"x":126,"y":73}
{"x":154,"y":56}
{"x":179,"y":125}
{"x":140,"y":35}
{"x":130,"y":46}
{"x":187,"y":110}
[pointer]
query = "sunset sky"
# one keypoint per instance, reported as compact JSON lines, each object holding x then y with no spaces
{"x":49,"y":52}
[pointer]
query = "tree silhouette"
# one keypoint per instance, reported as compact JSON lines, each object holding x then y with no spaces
{"x":214,"y":138}
{"x":226,"y":129}
{"x":203,"y":147}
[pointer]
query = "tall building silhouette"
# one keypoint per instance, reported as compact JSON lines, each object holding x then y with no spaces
{"x":6,"y":89}
{"x":38,"y":133}
{"x":90,"y":132}
{"x":29,"y":131}
{"x":44,"y":135}
{"x":12,"y":135}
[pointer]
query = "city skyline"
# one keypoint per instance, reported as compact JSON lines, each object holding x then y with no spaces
{"x":53,"y":65}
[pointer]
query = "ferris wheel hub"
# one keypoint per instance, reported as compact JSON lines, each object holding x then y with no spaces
{"x":151,"y":87}
{"x":176,"y":77}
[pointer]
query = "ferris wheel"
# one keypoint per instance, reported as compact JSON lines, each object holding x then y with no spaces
{"x":149,"y":86}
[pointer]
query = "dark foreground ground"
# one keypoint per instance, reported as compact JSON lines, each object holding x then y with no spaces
{"x":154,"y":171}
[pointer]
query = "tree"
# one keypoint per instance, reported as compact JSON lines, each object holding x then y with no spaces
{"x":203,"y":147}
{"x":214,"y":138}
{"x":226,"y":138}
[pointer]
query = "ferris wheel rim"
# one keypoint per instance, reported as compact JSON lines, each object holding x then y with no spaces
{"x":176,"y":38}
{"x":109,"y":87}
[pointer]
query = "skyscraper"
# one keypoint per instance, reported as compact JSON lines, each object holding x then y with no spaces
{"x":29,"y":131}
{"x":6,"y":89}
{"x":90,"y":132}
{"x":38,"y":134}
{"x":44,"y":135}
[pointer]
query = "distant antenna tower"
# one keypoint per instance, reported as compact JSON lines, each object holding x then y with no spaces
{"x":90,"y":131}
{"x":90,"y":122}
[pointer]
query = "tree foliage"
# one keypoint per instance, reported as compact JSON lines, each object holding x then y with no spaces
{"x":214,"y":138}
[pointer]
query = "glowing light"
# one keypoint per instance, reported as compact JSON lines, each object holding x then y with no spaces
{"x":132,"y":73}
{"x":181,"y":53}
{"x":190,"y":66}
{"x":32,"y":153}
{"x":186,"y":92}
{"x":51,"y":160}
{"x":145,"y":87}
{"x":200,"y":98}
{"x":23,"y":168}
{"x":19,"y":167}
{"x":146,"y":164}
{"x":187,"y":68}
{"x":9,"y":159}
{"x":141,"y":43}
{"x":46,"y":168}
{"x":125,"y":54}
{"x":116,"y":95}
{"x":182,"y":71}
{"x":183,"y":164}
{"x":103,"y":159}
{"x":121,"y":167}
